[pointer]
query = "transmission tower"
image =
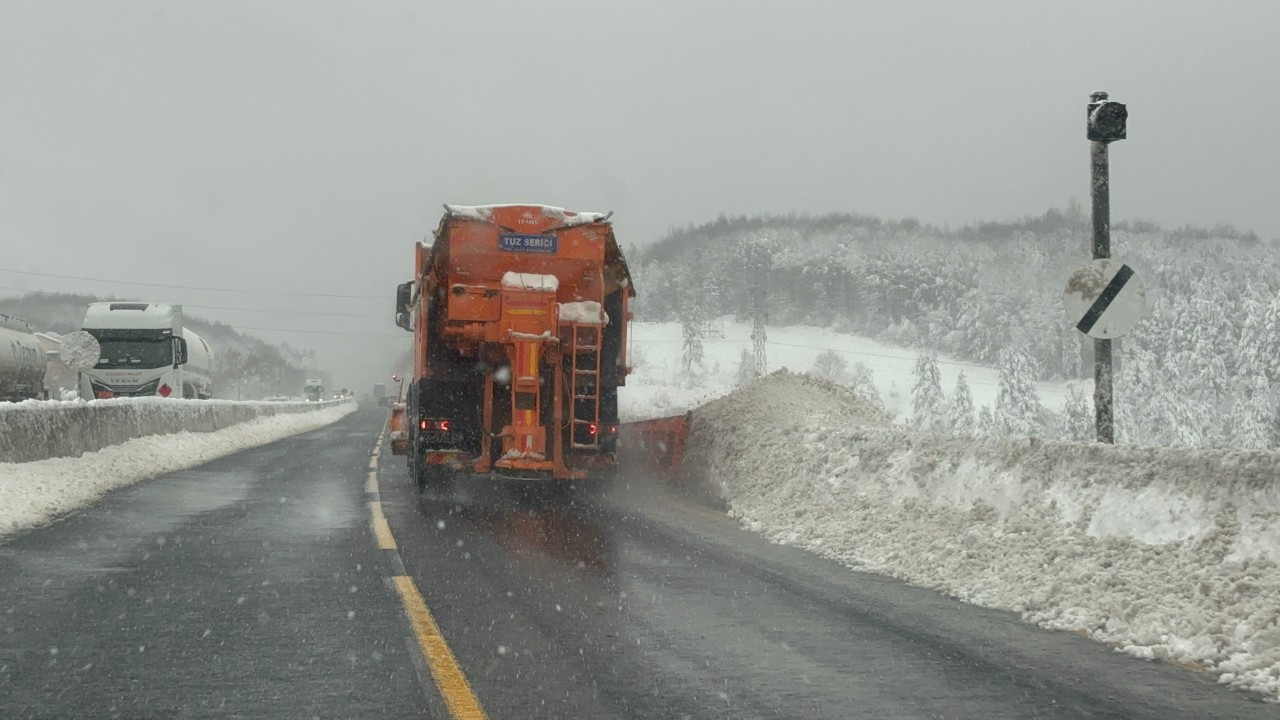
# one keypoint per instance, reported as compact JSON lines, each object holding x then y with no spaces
{"x":758,"y":333}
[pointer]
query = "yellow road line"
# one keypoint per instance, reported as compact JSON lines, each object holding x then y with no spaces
{"x":371,"y":484}
{"x":381,"y":530}
{"x":454,"y":688}
{"x":373,"y":463}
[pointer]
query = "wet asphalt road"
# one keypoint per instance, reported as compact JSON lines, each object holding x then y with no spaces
{"x":251,"y":587}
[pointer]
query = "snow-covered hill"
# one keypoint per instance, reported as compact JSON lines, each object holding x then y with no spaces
{"x":660,"y":386}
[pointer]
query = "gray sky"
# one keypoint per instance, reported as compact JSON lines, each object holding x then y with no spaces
{"x":303,"y":146}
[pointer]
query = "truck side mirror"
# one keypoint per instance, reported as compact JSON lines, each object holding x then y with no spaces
{"x":179,"y":351}
{"x":404,"y":296}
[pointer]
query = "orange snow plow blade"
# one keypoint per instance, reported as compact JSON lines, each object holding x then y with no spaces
{"x":398,"y":433}
{"x":656,"y":445}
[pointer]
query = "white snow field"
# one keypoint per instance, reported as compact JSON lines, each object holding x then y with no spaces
{"x":660,"y":387}
{"x":33,"y":493}
{"x":1164,"y":553}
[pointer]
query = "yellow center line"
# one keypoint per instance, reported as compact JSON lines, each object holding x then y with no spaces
{"x":381,"y":530}
{"x":371,"y":484}
{"x":454,"y":688}
{"x":373,"y":463}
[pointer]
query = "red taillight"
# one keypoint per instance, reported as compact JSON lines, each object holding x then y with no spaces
{"x":422,"y":425}
{"x":444,"y":425}
{"x":613,"y":429}
{"x":592,"y":429}
{"x":441,"y":425}
{"x":104,"y":394}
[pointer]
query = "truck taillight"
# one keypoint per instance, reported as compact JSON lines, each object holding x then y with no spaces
{"x":441,"y":425}
{"x":422,"y":425}
{"x":592,"y":429}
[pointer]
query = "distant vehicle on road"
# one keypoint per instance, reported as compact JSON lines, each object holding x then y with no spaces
{"x":146,"y":352}
{"x":313,"y":390}
{"x":22,"y":360}
{"x":380,"y":394}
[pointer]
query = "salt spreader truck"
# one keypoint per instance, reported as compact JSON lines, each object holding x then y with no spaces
{"x":519,"y":315}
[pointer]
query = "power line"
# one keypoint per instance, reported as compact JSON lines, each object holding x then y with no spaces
{"x":288,"y":312}
{"x":194,"y":287}
{"x":245,"y":309}
{"x":315,"y":332}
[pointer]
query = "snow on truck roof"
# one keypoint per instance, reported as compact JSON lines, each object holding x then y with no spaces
{"x":124,"y":315}
{"x":484,"y":213}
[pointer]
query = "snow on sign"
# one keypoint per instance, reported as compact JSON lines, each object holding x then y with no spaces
{"x":515,"y":242}
{"x":1105,"y":299}
{"x":79,"y":350}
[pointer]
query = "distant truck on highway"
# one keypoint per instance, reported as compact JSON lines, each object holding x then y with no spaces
{"x":22,"y":360}
{"x":519,"y":315}
{"x":313,"y":390}
{"x":146,"y":352}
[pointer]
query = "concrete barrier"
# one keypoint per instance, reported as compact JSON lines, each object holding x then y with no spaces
{"x":38,"y":430}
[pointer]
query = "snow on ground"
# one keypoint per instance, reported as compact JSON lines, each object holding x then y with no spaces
{"x":1163,"y":552}
{"x":34,"y":493}
{"x":660,"y":387}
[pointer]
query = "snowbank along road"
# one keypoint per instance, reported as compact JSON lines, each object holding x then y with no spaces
{"x":305,"y":578}
{"x":1165,"y":553}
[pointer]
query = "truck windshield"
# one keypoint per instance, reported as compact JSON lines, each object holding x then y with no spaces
{"x":117,"y":354}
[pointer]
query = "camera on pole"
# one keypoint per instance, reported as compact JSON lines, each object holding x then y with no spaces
{"x":1106,"y":119}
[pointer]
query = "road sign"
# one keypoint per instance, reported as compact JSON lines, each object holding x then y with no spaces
{"x":1105,"y":299}
{"x":79,"y":350}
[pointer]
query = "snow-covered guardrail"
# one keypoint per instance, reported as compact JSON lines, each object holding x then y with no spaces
{"x":37,"y":430}
{"x":1166,"y":553}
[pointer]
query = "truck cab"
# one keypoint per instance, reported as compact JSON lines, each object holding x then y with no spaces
{"x":146,"y":352}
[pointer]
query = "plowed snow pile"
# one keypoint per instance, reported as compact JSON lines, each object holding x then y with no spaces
{"x":33,"y":493}
{"x":1165,"y":553}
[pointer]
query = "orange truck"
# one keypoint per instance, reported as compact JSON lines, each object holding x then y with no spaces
{"x":519,"y":315}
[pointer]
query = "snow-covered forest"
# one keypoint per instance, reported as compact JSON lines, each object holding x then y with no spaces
{"x":1201,"y":370}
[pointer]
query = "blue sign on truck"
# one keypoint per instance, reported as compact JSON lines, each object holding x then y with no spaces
{"x":515,"y":242}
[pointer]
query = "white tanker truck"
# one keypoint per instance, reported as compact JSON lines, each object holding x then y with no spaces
{"x":145,"y":352}
{"x":22,"y":360}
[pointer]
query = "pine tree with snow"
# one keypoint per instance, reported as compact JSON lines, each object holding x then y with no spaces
{"x":746,"y":371}
{"x":691,"y":328}
{"x":863,"y":382}
{"x":928,"y":404}
{"x":1077,"y":417}
{"x":960,"y":415}
{"x":1252,"y":418}
{"x":1018,"y":411}
{"x":986,"y":423}
{"x":832,"y":366}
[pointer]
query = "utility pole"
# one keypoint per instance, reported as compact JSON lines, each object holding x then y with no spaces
{"x":1106,"y":124}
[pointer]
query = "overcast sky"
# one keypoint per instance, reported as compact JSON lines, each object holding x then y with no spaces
{"x":303,"y":146}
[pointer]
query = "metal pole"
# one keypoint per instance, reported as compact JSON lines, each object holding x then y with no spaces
{"x":1101,"y":246}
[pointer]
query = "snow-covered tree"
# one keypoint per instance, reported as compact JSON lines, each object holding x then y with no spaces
{"x":1018,"y":411}
{"x":960,"y":414}
{"x":1077,"y":417}
{"x":928,"y":404}
{"x":746,"y":371}
{"x":832,"y":366}
{"x":691,"y":328}
{"x":986,"y":424}
{"x":864,"y":384}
